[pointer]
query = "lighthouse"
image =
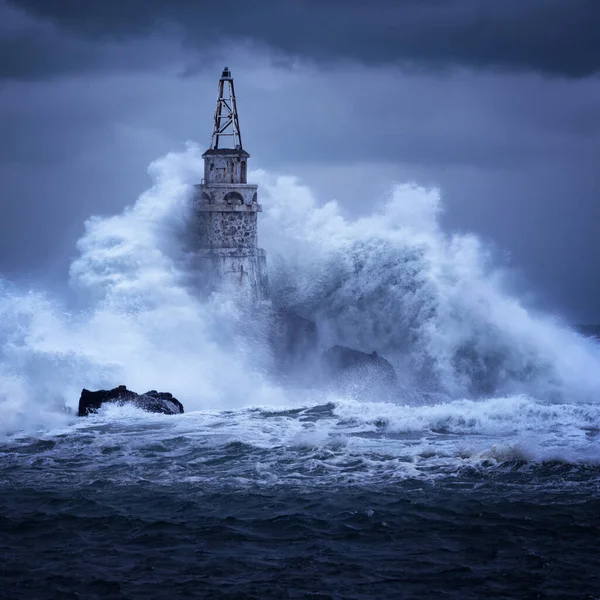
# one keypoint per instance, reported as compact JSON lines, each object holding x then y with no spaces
{"x":225,"y":210}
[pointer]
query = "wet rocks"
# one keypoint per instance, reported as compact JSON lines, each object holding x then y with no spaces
{"x":359,"y":374}
{"x":339,"y":360}
{"x":152,"y":401}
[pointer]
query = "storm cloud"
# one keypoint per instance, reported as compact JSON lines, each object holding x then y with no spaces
{"x":498,"y":103}
{"x":555,"y":37}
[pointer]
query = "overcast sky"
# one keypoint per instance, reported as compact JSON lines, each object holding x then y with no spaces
{"x":496,"y":102}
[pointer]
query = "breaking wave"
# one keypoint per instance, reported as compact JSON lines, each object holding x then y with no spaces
{"x":431,"y":302}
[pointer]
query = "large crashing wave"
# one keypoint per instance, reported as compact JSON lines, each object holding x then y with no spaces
{"x":134,"y":322}
{"x":392,"y":282}
{"x":429,"y":301}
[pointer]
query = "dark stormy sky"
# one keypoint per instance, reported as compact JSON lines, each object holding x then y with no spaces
{"x":495,"y":101}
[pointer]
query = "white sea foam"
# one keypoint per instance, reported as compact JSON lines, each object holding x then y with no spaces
{"x":392,"y":281}
{"x":340,"y":443}
{"x":429,"y":301}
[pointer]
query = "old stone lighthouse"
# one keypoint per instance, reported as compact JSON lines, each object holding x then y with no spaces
{"x":226,"y":209}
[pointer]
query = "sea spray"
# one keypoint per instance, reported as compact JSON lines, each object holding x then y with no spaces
{"x":137,"y":323}
{"x":430,"y":301}
{"x":392,"y":281}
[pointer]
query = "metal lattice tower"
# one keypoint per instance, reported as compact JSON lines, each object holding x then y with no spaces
{"x":226,"y":117}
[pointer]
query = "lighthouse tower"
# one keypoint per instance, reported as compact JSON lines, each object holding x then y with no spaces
{"x":226,"y":209}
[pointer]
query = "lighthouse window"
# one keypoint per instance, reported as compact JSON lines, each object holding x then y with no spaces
{"x":243,"y":171}
{"x":212,"y":166}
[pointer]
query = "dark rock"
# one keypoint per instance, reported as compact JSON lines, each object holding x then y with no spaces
{"x":343,"y":361}
{"x":152,"y":401}
{"x":358,"y":372}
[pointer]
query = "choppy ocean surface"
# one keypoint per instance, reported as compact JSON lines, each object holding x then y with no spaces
{"x":479,"y":476}
{"x":497,"y":498}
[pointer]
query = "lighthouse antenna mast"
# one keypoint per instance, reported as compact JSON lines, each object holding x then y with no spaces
{"x":226,"y":130}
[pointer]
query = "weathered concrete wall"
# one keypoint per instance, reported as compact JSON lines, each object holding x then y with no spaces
{"x":231,"y":229}
{"x":226,"y":193}
{"x":224,"y":237}
{"x":240,"y":272}
{"x":225,"y":166}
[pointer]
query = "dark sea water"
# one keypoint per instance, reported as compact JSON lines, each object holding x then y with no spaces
{"x":303,"y":503}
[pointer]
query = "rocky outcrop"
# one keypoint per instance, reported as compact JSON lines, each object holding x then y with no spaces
{"x":152,"y":401}
{"x":341,"y":360}
{"x":358,"y":374}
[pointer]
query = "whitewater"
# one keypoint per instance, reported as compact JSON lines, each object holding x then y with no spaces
{"x":497,"y":413}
